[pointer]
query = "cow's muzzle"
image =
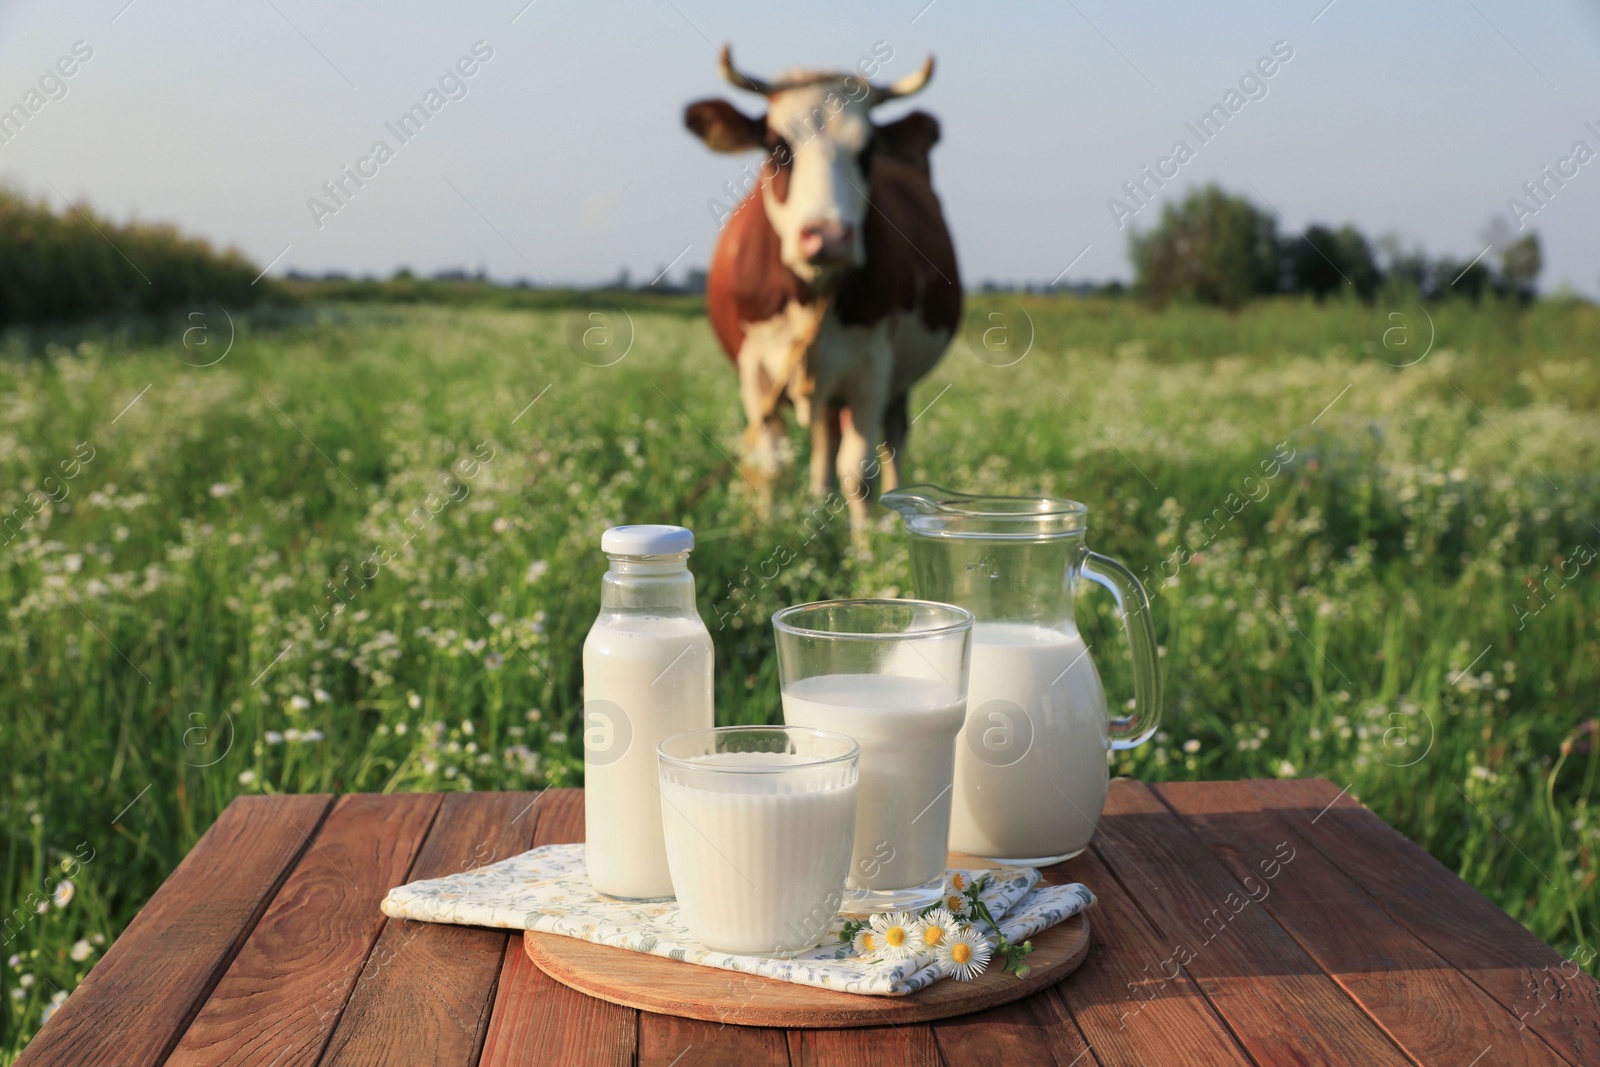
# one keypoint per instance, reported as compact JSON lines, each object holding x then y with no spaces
{"x":828,"y":242}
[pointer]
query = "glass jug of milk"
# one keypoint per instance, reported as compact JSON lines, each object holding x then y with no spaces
{"x":1030,"y":774}
{"x":646,"y":676}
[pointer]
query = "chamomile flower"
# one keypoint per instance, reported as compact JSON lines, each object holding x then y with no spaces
{"x":867,"y":943}
{"x":933,"y":929}
{"x":895,"y":930}
{"x":965,"y":954}
{"x":955,"y":901}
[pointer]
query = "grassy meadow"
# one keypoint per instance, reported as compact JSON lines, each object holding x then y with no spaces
{"x":175,"y":537}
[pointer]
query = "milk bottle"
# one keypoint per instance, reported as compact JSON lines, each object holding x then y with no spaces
{"x":646,"y":676}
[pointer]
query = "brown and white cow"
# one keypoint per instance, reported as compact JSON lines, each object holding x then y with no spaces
{"x":834,"y":284}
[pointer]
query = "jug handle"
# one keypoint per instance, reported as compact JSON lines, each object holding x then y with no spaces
{"x":1127,"y":731}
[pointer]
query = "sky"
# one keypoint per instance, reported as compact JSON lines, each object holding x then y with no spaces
{"x":564,"y":158}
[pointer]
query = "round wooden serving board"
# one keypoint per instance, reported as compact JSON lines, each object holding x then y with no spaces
{"x":669,"y":987}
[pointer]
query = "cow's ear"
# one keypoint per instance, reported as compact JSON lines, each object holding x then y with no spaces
{"x":910,"y":139}
{"x":723,"y":127}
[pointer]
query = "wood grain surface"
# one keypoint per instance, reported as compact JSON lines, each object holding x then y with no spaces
{"x":140,"y":997}
{"x":539,"y":1020}
{"x":1281,"y":1006}
{"x":1123,"y":1000}
{"x":1543,"y":991}
{"x":284,"y":993}
{"x":425,"y":992}
{"x":1435,"y":1013}
{"x":1238,"y":923}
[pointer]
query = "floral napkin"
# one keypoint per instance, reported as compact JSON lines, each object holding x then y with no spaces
{"x":548,"y":890}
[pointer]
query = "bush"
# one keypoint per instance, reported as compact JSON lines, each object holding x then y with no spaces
{"x":76,"y":264}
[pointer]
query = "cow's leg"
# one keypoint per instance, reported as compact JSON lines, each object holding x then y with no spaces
{"x":824,"y":447}
{"x":859,"y":437}
{"x":896,"y":424}
{"x":765,"y":442}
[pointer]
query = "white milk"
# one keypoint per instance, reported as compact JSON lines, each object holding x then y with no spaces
{"x":905,"y":727}
{"x":758,"y":860}
{"x":1031,"y":760}
{"x":645,"y":678}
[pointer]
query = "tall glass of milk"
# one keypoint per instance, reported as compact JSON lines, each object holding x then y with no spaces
{"x":759,"y":822}
{"x":646,"y":676}
{"x":892,"y":674}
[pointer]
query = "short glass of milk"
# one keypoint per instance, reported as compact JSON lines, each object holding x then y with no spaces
{"x":759,"y":822}
{"x":892,"y":674}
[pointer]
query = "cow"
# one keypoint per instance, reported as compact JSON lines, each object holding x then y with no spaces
{"x":833,"y":286}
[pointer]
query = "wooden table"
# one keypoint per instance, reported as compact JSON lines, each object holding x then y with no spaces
{"x":1239,"y":922}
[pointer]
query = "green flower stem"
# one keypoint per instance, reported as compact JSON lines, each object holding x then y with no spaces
{"x":1013,"y":954}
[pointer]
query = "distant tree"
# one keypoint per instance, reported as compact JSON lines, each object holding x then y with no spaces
{"x":1322,"y":261}
{"x":1520,"y":259}
{"x":1520,"y":264}
{"x":1211,"y":247}
{"x":1457,"y":277}
{"x":1404,"y":267}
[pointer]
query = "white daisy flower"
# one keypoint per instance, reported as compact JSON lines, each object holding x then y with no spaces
{"x":933,"y":929}
{"x":80,"y":951}
{"x":63,"y":892}
{"x":867,"y":943}
{"x":955,"y":886}
{"x":894,"y":930}
{"x":965,"y":954}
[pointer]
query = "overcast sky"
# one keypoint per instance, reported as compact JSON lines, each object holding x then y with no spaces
{"x":566,"y":158}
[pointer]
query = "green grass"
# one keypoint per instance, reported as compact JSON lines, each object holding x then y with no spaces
{"x":1327,"y":628}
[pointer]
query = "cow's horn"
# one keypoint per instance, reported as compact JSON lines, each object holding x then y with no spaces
{"x":739,"y":79}
{"x":914,"y":82}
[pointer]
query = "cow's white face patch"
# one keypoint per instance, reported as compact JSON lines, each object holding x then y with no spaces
{"x":819,"y":222}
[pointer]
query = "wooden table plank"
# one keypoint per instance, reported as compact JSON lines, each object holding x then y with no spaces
{"x":425,"y":993}
{"x":665,"y":1040}
{"x":1272,"y":996}
{"x":140,"y":998}
{"x":871,"y":1046}
{"x":1550,"y":996}
{"x":1431,"y":1009}
{"x":284,"y":993}
{"x":1130,"y":1009}
{"x":1037,"y":1030}
{"x":537,"y":1019}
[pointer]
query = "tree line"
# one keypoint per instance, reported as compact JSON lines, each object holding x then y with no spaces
{"x":75,"y":263}
{"x":1216,"y":248}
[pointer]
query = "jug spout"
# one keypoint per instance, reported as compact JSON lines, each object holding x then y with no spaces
{"x":911,"y":500}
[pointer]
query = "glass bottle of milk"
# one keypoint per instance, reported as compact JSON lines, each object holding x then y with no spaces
{"x":646,"y":676}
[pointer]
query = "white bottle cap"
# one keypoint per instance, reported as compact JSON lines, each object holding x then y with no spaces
{"x":649,"y":540}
